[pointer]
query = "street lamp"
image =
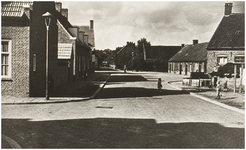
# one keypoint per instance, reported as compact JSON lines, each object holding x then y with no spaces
{"x":47,"y":18}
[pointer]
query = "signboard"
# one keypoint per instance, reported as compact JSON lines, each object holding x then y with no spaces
{"x":239,"y":58}
{"x":64,"y":51}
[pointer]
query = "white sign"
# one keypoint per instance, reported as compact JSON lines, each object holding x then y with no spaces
{"x":64,"y":51}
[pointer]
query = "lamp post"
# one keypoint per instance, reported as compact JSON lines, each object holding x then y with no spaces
{"x":47,"y":18}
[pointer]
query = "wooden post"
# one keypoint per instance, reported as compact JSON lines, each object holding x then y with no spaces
{"x":235,"y":78}
{"x":241,"y":78}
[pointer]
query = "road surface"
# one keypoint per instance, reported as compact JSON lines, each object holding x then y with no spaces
{"x":128,"y":112}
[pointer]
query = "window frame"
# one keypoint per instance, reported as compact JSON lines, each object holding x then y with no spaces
{"x":225,"y":60}
{"x":9,"y":53}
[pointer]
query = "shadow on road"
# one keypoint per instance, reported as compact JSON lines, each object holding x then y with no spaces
{"x":127,"y":78}
{"x":120,"y":133}
{"x":84,"y":91}
{"x":135,"y":92}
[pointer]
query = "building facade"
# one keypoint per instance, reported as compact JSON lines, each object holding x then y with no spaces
{"x":227,"y":43}
{"x":15,"y":35}
{"x":191,"y":58}
{"x":24,"y":48}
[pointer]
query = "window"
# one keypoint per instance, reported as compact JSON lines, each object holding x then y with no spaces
{"x":222,"y":60}
{"x":6,"y":59}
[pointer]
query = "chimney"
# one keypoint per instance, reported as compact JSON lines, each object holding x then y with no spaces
{"x":182,"y":45}
{"x":91,"y":24}
{"x":86,"y":39}
{"x":228,"y":8}
{"x":64,"y":12}
{"x":195,"y":42}
{"x":58,"y":6}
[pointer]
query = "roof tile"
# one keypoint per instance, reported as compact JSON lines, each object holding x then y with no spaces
{"x":230,"y":33}
{"x":14,"y":9}
{"x":191,"y":53}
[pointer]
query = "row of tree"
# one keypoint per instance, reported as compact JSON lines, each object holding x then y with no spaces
{"x":132,"y":56}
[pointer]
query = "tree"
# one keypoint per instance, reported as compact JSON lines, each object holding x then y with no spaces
{"x":103,"y":55}
{"x":142,"y":42}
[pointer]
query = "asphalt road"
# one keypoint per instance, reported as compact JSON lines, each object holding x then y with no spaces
{"x":128,"y":112}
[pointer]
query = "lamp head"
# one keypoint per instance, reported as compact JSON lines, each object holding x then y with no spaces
{"x":47,"y":16}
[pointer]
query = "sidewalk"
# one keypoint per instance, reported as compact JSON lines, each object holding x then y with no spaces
{"x":84,"y":89}
{"x":229,"y":98}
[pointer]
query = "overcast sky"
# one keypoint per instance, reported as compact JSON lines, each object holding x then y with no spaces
{"x":160,"y":22}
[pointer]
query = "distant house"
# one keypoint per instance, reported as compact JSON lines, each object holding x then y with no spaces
{"x":24,"y":40}
{"x":157,"y":57}
{"x":227,"y":43}
{"x":129,"y":56}
{"x":191,"y":58}
{"x":87,"y":33}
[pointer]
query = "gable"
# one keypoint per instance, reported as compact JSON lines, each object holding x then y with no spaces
{"x":63,"y":34}
{"x":229,"y":34}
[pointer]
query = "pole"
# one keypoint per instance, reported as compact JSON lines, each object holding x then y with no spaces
{"x":235,"y":78}
{"x":47,"y":64}
{"x":132,"y":61}
{"x":241,"y":78}
{"x":144,"y":52}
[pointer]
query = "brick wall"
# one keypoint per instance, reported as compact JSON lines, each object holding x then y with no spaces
{"x":212,"y":57}
{"x":19,"y":84}
{"x":38,"y":47}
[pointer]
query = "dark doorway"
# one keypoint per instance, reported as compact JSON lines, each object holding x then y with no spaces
{"x":186,"y":69}
{"x":180,"y":69}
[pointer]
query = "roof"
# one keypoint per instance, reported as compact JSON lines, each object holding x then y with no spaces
{"x":155,"y":51}
{"x":63,"y":20}
{"x":229,"y":34}
{"x":14,"y":9}
{"x":191,"y":53}
{"x":129,"y":46}
{"x":66,"y":24}
{"x":88,"y":32}
{"x":13,"y":13}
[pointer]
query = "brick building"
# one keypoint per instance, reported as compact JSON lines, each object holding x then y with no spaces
{"x":227,"y":42}
{"x":191,"y":58}
{"x":15,"y":35}
{"x":24,"y":44}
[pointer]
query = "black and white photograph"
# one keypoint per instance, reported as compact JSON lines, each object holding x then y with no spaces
{"x":123,"y":74}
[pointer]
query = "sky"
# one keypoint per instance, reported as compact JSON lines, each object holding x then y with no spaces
{"x":160,"y":22}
